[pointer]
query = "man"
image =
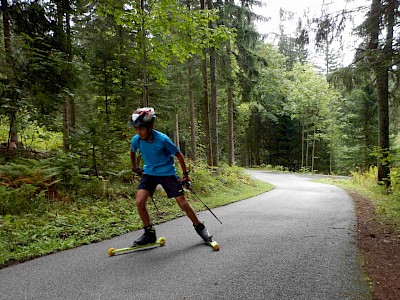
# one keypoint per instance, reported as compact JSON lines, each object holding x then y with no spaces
{"x":158,"y":152}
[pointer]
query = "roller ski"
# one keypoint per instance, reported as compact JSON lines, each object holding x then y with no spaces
{"x":147,"y":241}
{"x":205,"y":235}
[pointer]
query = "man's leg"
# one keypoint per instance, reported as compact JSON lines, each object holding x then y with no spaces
{"x":190,"y":212}
{"x":175,"y":190}
{"x":141,"y":199}
{"x":149,"y":235}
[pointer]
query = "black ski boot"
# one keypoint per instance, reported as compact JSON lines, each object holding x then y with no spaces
{"x":148,"y":237}
{"x":203,"y":232}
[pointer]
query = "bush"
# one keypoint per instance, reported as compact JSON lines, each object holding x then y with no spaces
{"x":395,"y":180}
{"x":29,"y":171}
{"x":25,"y":185}
{"x":371,"y":176}
{"x":20,"y":200}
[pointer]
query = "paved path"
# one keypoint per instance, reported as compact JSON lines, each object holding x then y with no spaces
{"x":295,"y":242}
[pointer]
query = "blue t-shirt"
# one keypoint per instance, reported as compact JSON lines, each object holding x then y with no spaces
{"x":158,"y":155}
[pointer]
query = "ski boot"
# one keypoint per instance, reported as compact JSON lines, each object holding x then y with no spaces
{"x":206,"y":236}
{"x":203,"y":232}
{"x":148,"y":237}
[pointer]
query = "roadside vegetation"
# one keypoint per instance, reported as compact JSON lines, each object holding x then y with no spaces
{"x":385,"y":200}
{"x":50,"y":204}
{"x":378,"y":229}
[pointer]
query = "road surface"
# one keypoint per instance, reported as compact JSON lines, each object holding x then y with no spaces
{"x":295,"y":242}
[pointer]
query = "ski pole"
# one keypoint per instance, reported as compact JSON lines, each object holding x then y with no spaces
{"x":190,"y":189}
{"x":154,"y":203}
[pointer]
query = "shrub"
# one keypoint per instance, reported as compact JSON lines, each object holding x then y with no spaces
{"x":23,"y":199}
{"x":395,"y":180}
{"x":25,"y":185}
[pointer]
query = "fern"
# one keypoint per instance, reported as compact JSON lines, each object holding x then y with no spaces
{"x":29,"y":171}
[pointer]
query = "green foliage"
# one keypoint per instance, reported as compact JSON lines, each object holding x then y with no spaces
{"x":103,"y":209}
{"x":386,"y":202}
{"x":395,"y":180}
{"x":99,"y":147}
{"x":27,"y":171}
{"x":309,"y":95}
{"x":207,"y":180}
{"x":20,"y":200}
{"x":158,"y":26}
{"x":31,"y":135}
{"x":111,"y":50}
{"x":25,"y":184}
{"x":312,"y":101}
{"x":369,"y":176}
{"x":383,"y":155}
{"x":40,"y":69}
{"x":264,"y":133}
{"x":63,"y":226}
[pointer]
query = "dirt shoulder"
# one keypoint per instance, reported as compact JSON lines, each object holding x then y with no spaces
{"x":380,"y":246}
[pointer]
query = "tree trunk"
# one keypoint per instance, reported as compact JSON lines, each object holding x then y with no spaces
{"x":231,"y":144}
{"x":313,"y":148}
{"x":123,"y":65}
{"x":176,"y":131}
{"x":383,"y":95}
{"x":383,"y":123}
{"x":66,"y":124}
{"x":330,"y":157}
{"x":107,"y":118}
{"x":13,"y":133}
{"x":302,"y":147}
{"x":192,"y":113}
{"x":142,"y":42}
{"x":65,"y":107}
{"x":229,"y":95}
{"x":214,"y":107}
{"x":206,"y":112}
{"x":380,"y":61}
{"x":72,"y":106}
{"x":7,"y":36}
{"x":63,"y":36}
{"x":302,"y":144}
{"x":307,"y":147}
{"x":66,"y":110}
{"x":214,"y":100}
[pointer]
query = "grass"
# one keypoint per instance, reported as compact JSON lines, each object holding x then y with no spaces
{"x":387,"y":205}
{"x":61,"y":225}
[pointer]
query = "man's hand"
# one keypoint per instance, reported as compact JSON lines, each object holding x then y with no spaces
{"x":185,"y":180}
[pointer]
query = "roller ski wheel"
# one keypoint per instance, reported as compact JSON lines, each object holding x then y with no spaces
{"x":160,"y":242}
{"x":206,"y":236}
{"x":214,"y":245}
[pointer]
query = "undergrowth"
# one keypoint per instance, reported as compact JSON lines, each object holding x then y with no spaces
{"x":49,"y":206}
{"x":386,"y":201}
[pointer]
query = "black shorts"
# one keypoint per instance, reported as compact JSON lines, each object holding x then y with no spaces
{"x":170,"y":184}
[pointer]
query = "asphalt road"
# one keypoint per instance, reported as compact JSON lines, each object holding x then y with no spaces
{"x":295,"y":242}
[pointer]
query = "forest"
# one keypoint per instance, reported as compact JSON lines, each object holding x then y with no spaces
{"x":72,"y":73}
